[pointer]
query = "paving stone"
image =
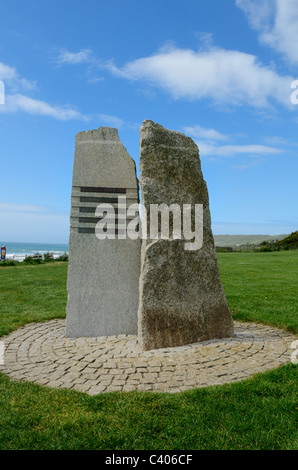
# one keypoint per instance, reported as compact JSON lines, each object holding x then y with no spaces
{"x":86,"y":366}
{"x":129,"y":388}
{"x":96,"y":389}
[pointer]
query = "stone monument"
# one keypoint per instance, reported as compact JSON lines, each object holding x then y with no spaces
{"x":182,"y":300}
{"x":103,"y":273}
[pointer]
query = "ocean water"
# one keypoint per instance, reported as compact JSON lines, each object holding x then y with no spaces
{"x":18,"y":251}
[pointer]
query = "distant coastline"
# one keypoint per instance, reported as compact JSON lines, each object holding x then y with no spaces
{"x":19,"y":250}
{"x":233,"y":240}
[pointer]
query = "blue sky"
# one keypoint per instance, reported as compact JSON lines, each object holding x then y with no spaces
{"x":219,"y":71}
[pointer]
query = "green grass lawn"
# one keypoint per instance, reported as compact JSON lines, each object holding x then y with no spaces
{"x":32,"y":293}
{"x":262,"y":287}
{"x":258,"y":413}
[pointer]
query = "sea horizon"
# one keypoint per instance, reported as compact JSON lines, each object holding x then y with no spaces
{"x":19,"y":250}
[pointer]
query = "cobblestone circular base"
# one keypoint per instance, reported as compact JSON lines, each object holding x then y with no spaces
{"x":41,"y":353}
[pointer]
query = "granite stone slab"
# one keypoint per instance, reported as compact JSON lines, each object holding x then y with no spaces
{"x":103,"y":274}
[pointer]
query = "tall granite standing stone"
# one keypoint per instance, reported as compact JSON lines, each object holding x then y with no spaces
{"x":103,"y":274}
{"x":182,"y":300}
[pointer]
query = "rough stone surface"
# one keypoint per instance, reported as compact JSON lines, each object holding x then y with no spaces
{"x":103,"y":275}
{"x":182,"y":300}
{"x":40,"y":353}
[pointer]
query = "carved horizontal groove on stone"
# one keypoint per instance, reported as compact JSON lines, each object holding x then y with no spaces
{"x":84,"y":219}
{"x":111,"y":200}
{"x":91,"y":210}
{"x":87,"y":189}
{"x":90,"y":220}
{"x":77,"y":202}
{"x":109,"y":232}
{"x":77,"y":222}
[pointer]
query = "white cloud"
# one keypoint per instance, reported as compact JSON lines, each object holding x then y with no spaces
{"x":232,"y":150}
{"x":277,"y":140}
{"x":226,"y":77}
{"x":84,"y":56}
{"x":18,"y":102}
{"x":201,"y":132}
{"x":7,"y":72}
{"x":67,"y":57}
{"x":277,"y":23}
{"x":10,"y":207}
{"x":260,"y":12}
{"x":245,"y":166}
{"x":208,"y":141}
{"x":10,"y":77}
{"x":111,"y":120}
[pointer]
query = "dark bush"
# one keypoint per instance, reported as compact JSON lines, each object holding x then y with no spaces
{"x":32,"y":260}
{"x":62,"y":258}
{"x":8,"y":262}
{"x":48,"y":257}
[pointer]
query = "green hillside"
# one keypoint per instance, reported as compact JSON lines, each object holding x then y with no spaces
{"x":232,"y":240}
{"x":288,"y":243}
{"x":291,"y":241}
